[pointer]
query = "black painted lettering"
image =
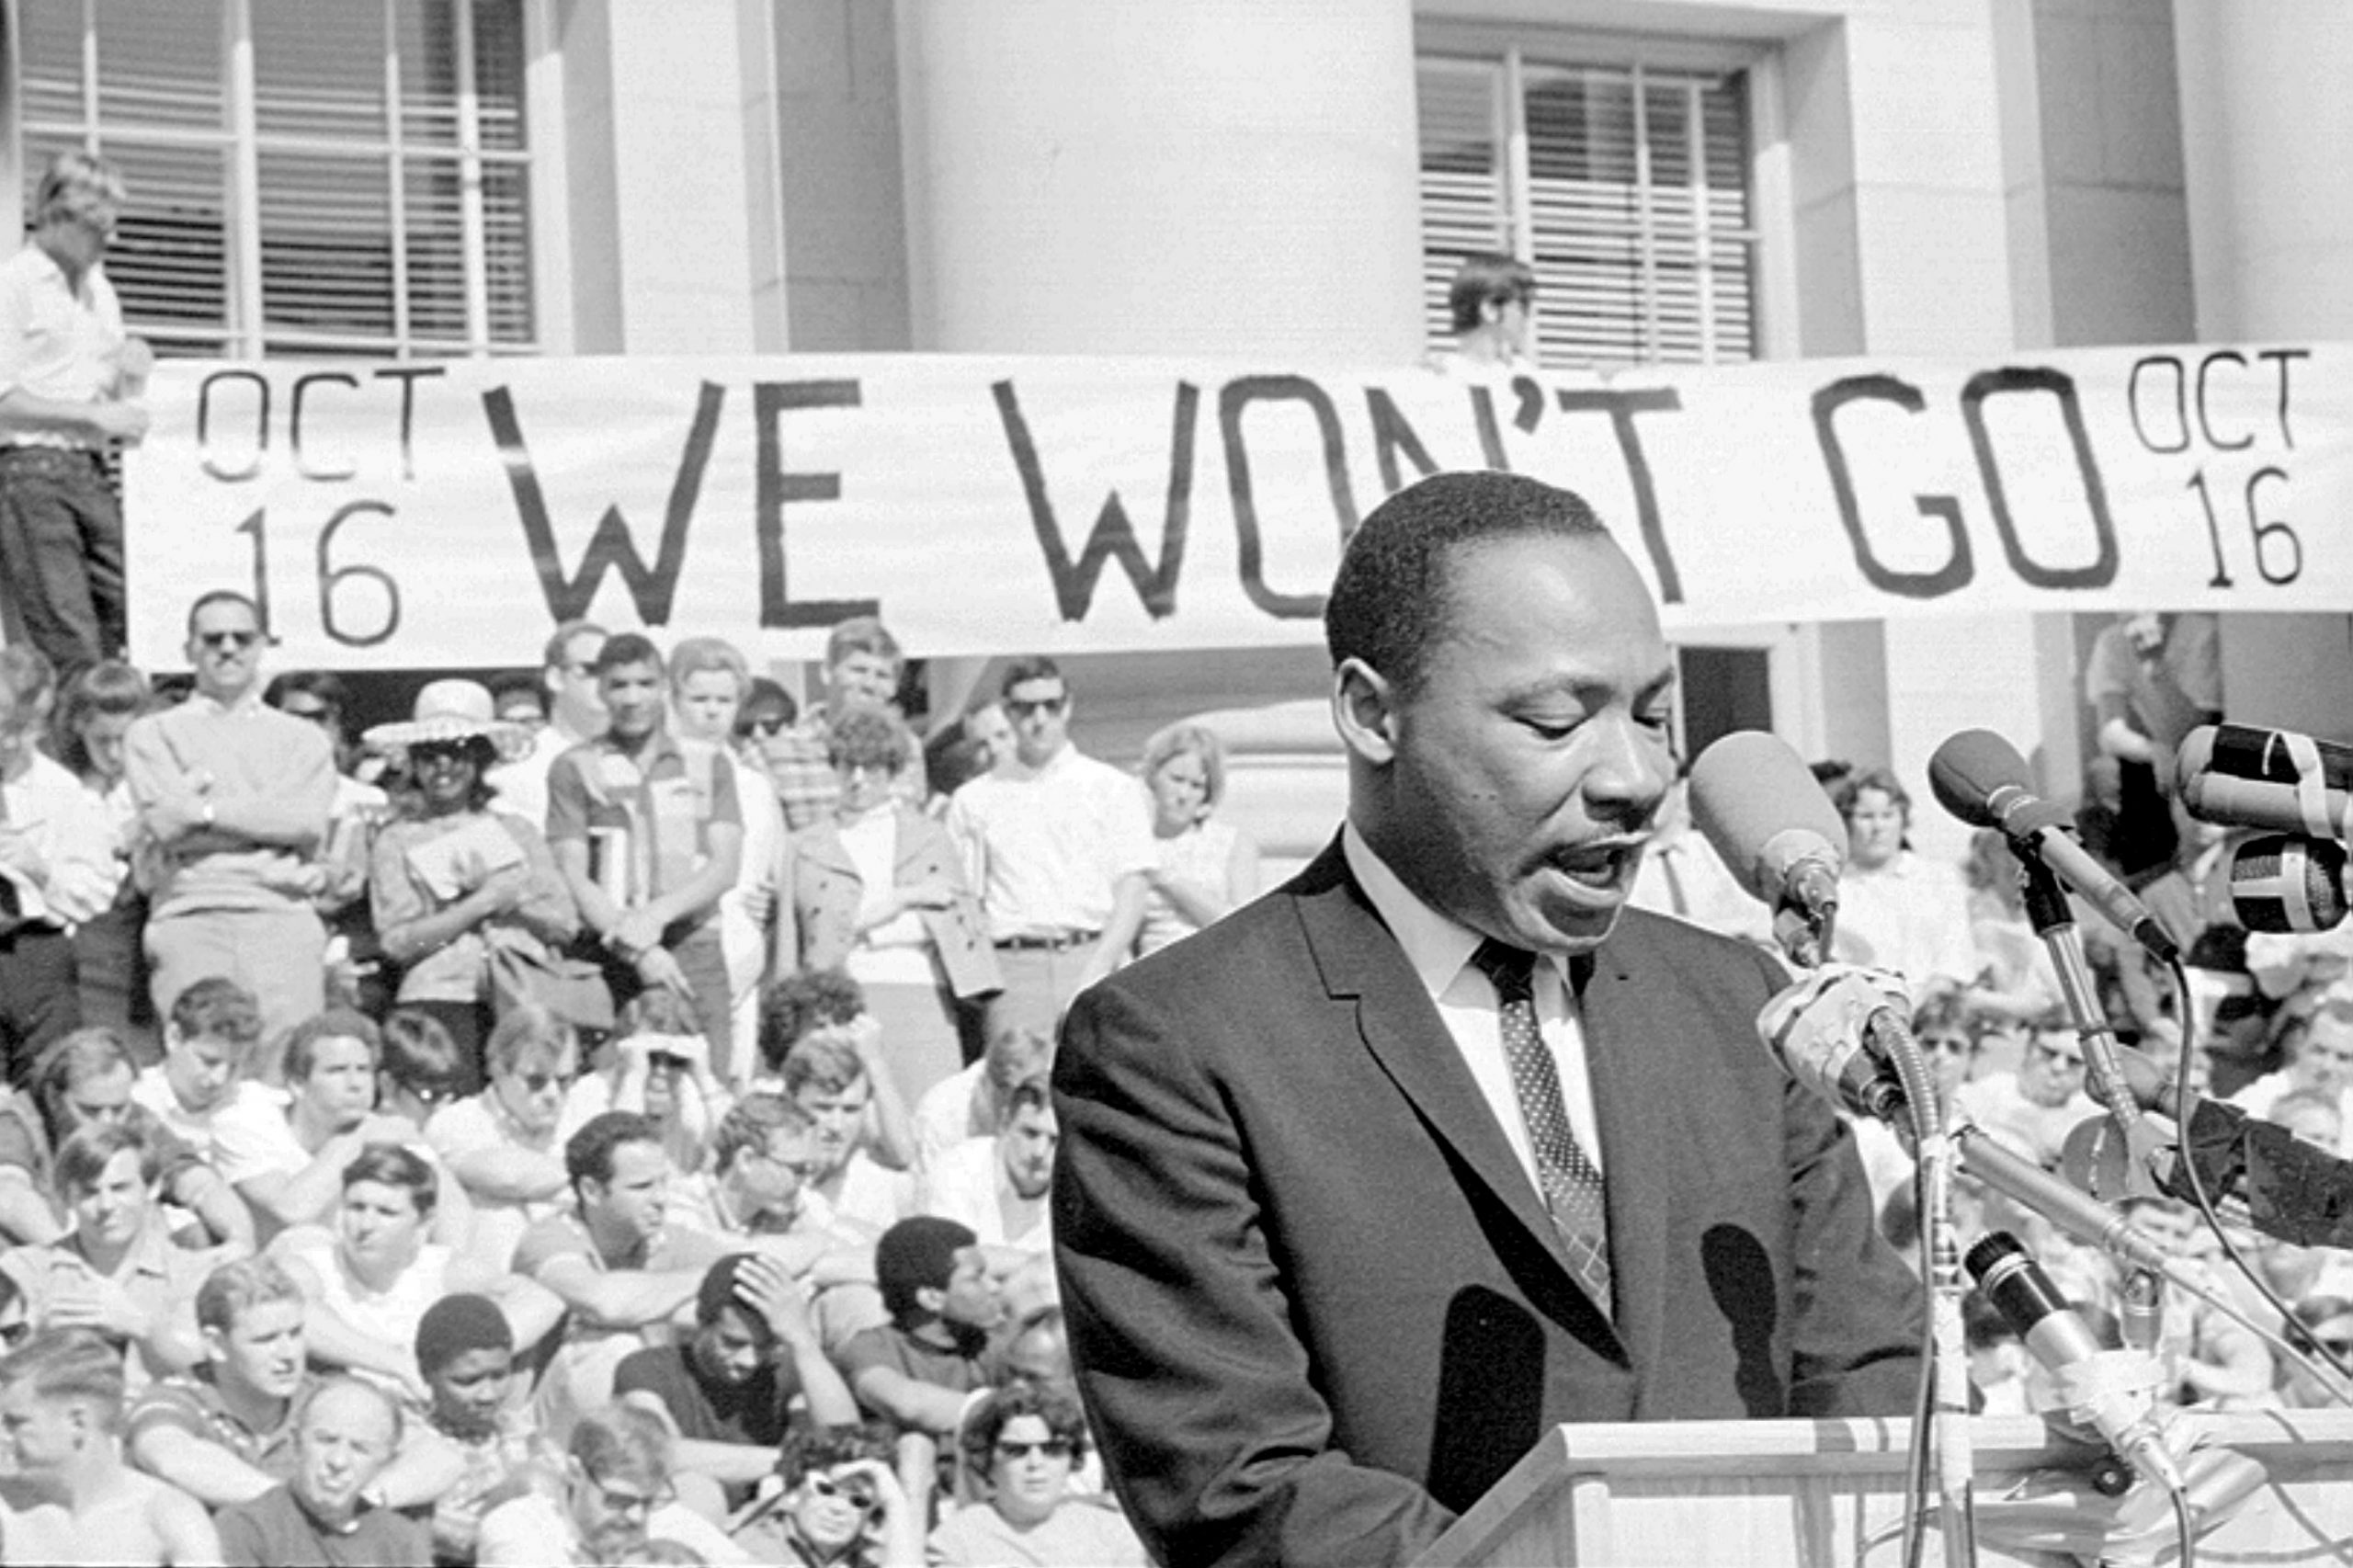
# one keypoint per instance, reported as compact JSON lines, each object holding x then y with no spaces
{"x":408,"y":376}
{"x":775,"y":488}
{"x":1113,"y":538}
{"x":1622,"y":407}
{"x":610,"y":547}
{"x":2176,"y":409}
{"x":1233,"y":401}
{"x":1390,"y":436}
{"x":1959,"y":567}
{"x":2284,"y":357}
{"x":1490,"y":434}
{"x":2205,"y":411}
{"x":212,"y":465}
{"x":295,"y":405}
{"x":2042,"y":381}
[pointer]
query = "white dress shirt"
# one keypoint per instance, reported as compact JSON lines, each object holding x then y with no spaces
{"x":1439,"y":949}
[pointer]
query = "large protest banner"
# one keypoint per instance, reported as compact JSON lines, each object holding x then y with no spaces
{"x":448,"y":514}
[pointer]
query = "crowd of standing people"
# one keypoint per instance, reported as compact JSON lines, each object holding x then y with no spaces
{"x":608,"y":1108}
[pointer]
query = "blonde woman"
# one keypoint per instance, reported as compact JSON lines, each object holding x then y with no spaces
{"x":1207,"y":868}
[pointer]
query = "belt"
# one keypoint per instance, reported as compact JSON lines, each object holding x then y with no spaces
{"x":1061,"y":942}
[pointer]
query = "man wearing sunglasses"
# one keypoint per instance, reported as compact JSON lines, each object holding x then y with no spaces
{"x":70,"y":383}
{"x":1059,"y":846}
{"x":616,"y":1504}
{"x":574,"y":713}
{"x":235,"y":796}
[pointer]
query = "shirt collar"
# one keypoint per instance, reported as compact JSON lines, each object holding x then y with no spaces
{"x":145,"y":1256}
{"x":248,"y":704}
{"x":662,"y":744}
{"x":1436,"y":946}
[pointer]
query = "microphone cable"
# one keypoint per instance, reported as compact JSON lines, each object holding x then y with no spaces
{"x":2183,"y":1095}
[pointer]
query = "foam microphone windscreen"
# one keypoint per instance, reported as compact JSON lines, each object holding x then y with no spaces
{"x":1760,"y":806}
{"x":2279,"y":882}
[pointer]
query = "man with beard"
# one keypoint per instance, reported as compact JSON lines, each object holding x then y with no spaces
{"x":224,"y":1432}
{"x":1368,"y":1186}
{"x":914,"y":1370}
{"x":345,"y":1435}
{"x":728,"y":1391}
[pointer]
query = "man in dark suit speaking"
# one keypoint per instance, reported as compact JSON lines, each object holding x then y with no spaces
{"x":1365,"y":1187}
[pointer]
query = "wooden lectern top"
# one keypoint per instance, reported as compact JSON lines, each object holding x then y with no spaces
{"x":1811,"y":1493}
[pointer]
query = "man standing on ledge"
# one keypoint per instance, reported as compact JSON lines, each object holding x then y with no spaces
{"x":1367,"y":1186}
{"x":70,"y":381}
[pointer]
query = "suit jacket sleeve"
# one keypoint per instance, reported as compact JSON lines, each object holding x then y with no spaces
{"x":1218,"y":1440}
{"x":1859,"y":1310}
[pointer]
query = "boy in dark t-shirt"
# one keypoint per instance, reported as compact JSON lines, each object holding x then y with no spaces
{"x":729,"y":1390}
{"x":915,"y":1370}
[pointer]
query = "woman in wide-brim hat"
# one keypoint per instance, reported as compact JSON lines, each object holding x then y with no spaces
{"x":455,"y":880}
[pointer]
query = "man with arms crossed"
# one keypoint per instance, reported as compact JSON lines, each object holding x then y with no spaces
{"x":1355,"y":1198}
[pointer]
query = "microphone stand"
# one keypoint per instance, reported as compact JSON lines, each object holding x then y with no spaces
{"x":2047,"y":908}
{"x":1937,"y":1156}
{"x":2054,"y":922}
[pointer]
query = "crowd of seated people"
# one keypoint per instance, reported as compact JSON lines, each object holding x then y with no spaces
{"x":472,"y":1141}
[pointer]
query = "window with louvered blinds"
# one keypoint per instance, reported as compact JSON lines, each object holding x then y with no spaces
{"x":1626,"y":187}
{"x":306,"y":176}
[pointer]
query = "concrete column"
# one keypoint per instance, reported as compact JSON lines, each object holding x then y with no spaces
{"x":2265,"y":121}
{"x":1085,"y":177}
{"x":676,"y":246}
{"x":1901,"y":234}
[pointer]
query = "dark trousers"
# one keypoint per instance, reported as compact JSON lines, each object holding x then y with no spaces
{"x":60,"y":555}
{"x":39,"y":997}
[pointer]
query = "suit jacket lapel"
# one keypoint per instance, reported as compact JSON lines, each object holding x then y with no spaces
{"x":1360,"y":960}
{"x":1634,"y":1089}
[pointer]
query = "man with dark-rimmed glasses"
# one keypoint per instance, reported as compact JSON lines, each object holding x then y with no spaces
{"x":235,"y":797}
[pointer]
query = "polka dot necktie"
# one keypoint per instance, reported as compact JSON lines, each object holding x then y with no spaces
{"x":1573,"y":1189}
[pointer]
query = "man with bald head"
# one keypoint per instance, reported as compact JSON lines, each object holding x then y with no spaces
{"x":1364,"y":1187}
{"x":345,"y":1434}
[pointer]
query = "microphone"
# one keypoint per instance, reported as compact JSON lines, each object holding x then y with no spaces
{"x":2237,"y":776}
{"x":1980,"y":778}
{"x":2281,"y":882}
{"x":2030,"y":1302}
{"x":1830,"y":1030}
{"x":1759,"y":808}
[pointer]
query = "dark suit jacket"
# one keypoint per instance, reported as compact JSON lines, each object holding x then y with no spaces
{"x":1317,"y":1303}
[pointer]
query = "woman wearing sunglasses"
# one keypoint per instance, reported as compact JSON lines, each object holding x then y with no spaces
{"x":1027,"y":1440}
{"x":458,"y":879}
{"x":841,"y":1506}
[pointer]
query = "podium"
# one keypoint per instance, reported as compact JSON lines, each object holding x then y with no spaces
{"x":1811,"y":1493}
